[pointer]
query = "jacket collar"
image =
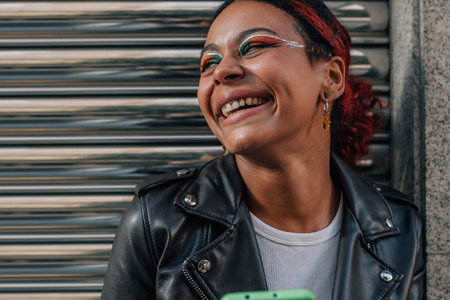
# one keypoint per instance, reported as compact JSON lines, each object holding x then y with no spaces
{"x":369,"y":207}
{"x":360,"y":269}
{"x":218,"y":188}
{"x":220,"y":180}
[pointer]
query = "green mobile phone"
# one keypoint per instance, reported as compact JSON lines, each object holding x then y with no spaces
{"x":266,"y":295}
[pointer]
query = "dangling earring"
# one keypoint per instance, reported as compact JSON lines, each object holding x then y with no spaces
{"x":224,"y":151}
{"x":326,"y":122}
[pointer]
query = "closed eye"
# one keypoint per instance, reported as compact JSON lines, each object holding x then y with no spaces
{"x":209,"y":61}
{"x":258,"y":41}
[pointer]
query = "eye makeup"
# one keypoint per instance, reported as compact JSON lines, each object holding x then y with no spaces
{"x":208,"y":60}
{"x":264,"y":41}
{"x":256,"y":41}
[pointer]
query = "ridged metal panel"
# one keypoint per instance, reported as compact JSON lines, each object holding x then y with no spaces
{"x":94,"y":95}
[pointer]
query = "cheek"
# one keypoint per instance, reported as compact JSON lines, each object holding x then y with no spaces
{"x":295,"y":84}
{"x":283,"y":72}
{"x":294,"y":78}
{"x":204,"y":96}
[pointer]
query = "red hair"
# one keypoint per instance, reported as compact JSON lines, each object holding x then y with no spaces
{"x":352,"y":122}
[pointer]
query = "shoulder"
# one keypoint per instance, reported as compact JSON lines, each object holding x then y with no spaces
{"x":376,"y":201}
{"x":395,"y":196}
{"x":157,"y":194}
{"x":212,"y":192}
{"x":176,"y":180}
{"x":171,"y":178}
{"x":163,"y":191}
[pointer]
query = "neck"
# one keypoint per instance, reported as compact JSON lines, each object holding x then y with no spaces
{"x":294,"y":194}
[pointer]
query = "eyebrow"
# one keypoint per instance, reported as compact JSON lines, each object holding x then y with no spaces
{"x":245,"y":33}
{"x":211,"y":46}
{"x":239,"y":38}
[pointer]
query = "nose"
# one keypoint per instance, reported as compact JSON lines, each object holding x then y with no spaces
{"x":228,"y":71}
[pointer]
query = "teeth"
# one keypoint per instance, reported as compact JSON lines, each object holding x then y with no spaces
{"x":224,"y":111}
{"x":231,"y":106}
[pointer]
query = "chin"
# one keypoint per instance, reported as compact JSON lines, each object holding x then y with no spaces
{"x":243,"y":147}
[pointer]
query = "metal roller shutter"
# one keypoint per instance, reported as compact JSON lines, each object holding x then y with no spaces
{"x":94,"y":95}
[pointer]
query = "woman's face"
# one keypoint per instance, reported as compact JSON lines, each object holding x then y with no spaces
{"x":257,"y":87}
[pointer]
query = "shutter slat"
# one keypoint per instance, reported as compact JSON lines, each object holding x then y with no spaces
{"x":96,"y":95}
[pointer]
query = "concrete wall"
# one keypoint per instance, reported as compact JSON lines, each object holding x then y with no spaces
{"x":420,"y":86}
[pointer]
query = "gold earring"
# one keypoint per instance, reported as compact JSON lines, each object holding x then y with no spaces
{"x":224,"y":151}
{"x":326,"y":121}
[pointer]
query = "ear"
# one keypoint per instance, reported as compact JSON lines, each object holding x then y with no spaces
{"x":333,"y":84}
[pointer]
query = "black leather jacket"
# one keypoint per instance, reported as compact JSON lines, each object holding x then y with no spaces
{"x":188,"y":235}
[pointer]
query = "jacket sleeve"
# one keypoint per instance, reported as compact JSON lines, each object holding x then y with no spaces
{"x":416,"y":291}
{"x":130,"y":273}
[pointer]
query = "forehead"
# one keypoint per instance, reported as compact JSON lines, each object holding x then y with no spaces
{"x":244,"y":15}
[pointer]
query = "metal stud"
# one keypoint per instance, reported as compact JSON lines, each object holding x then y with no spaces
{"x":386,"y":276}
{"x":376,"y":187}
{"x":190,"y":200}
{"x":204,"y":266}
{"x":389,"y":223}
{"x":182,"y":172}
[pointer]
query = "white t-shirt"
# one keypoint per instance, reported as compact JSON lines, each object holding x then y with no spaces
{"x":300,"y":260}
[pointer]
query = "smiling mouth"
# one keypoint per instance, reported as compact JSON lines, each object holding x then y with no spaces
{"x":244,"y":103}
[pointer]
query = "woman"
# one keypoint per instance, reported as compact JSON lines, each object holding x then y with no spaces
{"x":283,"y":211}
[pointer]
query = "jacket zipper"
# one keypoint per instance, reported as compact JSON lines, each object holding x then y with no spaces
{"x":192,"y":282}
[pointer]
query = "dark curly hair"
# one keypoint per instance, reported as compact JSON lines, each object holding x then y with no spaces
{"x":325,"y":37}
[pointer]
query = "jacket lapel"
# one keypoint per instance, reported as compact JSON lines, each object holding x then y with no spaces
{"x":360,"y":271}
{"x":235,"y":262}
{"x":234,"y":259}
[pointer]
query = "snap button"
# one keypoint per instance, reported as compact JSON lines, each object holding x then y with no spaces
{"x":376,"y":187}
{"x":389,"y":223}
{"x":190,"y":200}
{"x":204,"y":266}
{"x":182,"y":172}
{"x":386,"y":276}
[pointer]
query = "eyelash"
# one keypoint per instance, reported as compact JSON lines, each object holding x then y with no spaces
{"x":214,"y":59}
{"x":246,"y":47}
{"x":252,"y":45}
{"x":209,"y":60}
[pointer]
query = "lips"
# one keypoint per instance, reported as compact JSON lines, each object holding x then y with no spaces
{"x":243,"y":103}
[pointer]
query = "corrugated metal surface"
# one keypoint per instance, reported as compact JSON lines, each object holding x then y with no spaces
{"x":93,"y":96}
